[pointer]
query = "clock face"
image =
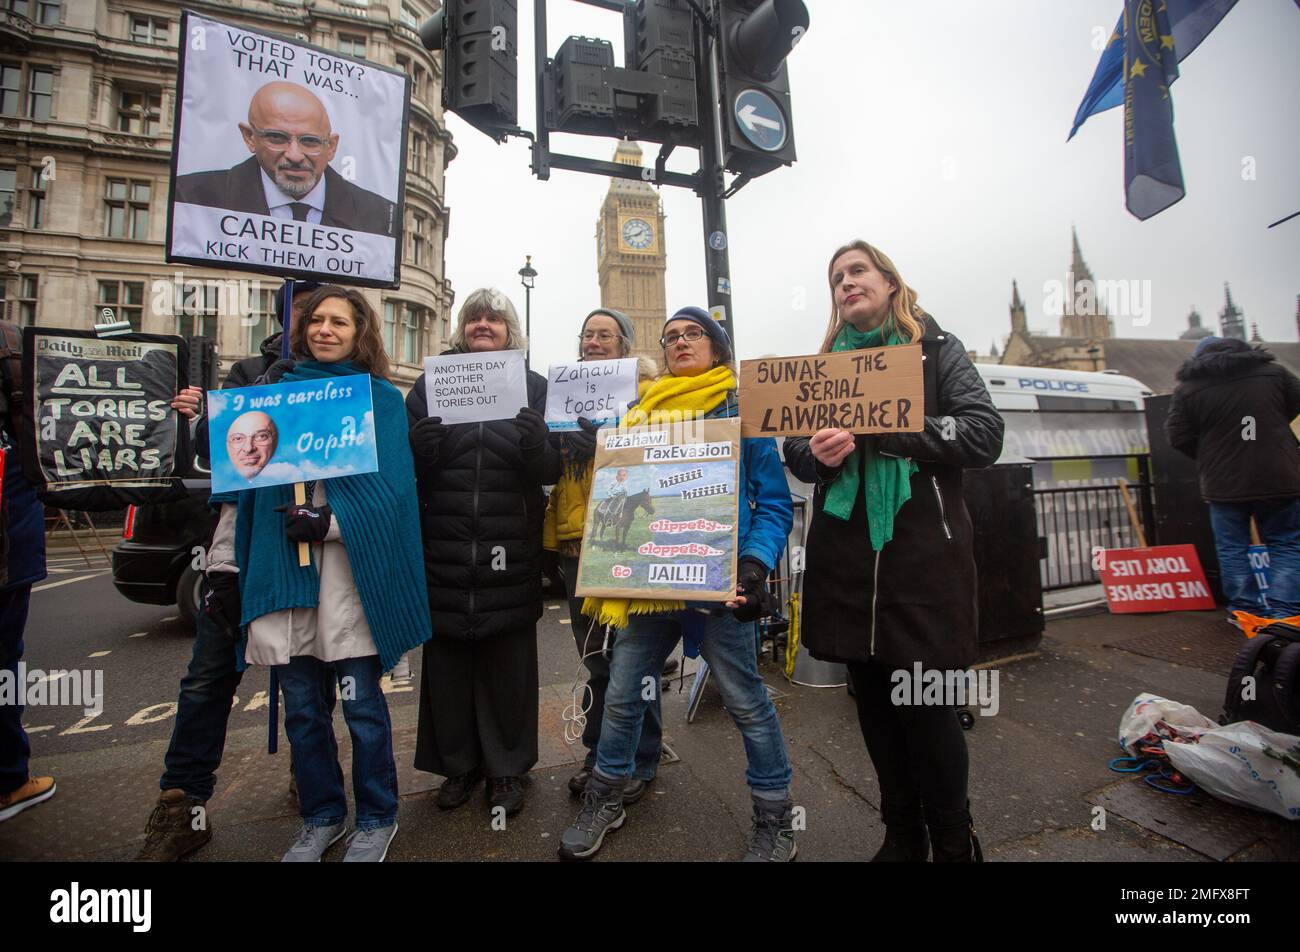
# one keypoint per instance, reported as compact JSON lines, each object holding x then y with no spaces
{"x":637,"y":233}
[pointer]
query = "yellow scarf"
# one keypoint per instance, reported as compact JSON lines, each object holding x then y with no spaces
{"x":669,"y":400}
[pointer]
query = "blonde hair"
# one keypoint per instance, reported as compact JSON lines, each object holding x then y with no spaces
{"x":903,"y":310}
{"x":491,"y":301}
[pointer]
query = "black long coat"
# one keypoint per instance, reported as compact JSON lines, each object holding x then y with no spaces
{"x":915,"y":599}
{"x":481,"y":508}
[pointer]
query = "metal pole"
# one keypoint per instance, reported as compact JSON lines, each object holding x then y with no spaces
{"x":528,"y":325}
{"x":716,"y":240}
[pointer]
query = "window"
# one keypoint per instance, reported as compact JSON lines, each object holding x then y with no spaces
{"x":127,"y":209}
{"x":8,"y":189}
{"x":36,"y":194}
{"x":413,"y":355}
{"x":139,"y":112}
{"x":40,"y":94}
{"x":417,"y":238}
{"x":390,"y":328}
{"x":196,"y":309}
{"x":10,"y":84}
{"x":125,"y":299}
{"x":27,"y":285}
{"x":417,"y":82}
{"x":150,"y":30}
{"x":47,"y":12}
{"x":350,"y":45}
{"x":20,"y":7}
{"x":264,"y":312}
{"x":419,"y":151}
{"x":410,"y":16}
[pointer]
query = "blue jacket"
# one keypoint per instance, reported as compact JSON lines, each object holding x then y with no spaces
{"x":766,"y":513}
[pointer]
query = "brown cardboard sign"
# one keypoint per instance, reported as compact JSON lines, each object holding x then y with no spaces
{"x":877,"y":390}
{"x":662,"y":521}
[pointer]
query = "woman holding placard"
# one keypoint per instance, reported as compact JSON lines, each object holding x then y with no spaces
{"x":480,"y":492}
{"x":354,"y":610}
{"x":699,"y":383}
{"x":890,"y":573}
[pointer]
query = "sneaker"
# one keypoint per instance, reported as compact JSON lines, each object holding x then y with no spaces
{"x":456,"y":791}
{"x":177,"y":827}
{"x":370,"y":846}
{"x":312,"y":842}
{"x":35,"y":790}
{"x":601,"y":813}
{"x":771,"y":838}
{"x":578,"y":782}
{"x":506,"y":792}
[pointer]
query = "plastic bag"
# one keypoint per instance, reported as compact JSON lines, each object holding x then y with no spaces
{"x":1246,"y":764}
{"x":1151,"y":714}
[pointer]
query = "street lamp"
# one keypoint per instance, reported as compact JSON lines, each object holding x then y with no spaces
{"x":528,"y":278}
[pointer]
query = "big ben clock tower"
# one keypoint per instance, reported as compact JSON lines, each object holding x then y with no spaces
{"x":630,"y":258}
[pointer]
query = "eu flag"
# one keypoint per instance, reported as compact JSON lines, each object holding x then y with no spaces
{"x":1153,"y":176}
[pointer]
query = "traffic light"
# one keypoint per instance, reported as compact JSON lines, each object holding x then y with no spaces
{"x":755,"y":37}
{"x":479,"y":61}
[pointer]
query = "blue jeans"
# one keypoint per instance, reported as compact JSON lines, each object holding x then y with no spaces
{"x":1279,"y":529}
{"x":308,"y":685}
{"x":14,"y":748}
{"x":639,"y":654}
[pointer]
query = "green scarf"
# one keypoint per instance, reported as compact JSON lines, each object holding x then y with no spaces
{"x":888,"y":482}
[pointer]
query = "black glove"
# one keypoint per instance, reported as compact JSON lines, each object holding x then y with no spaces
{"x":276,"y":371}
{"x":426,"y":439}
{"x":305,"y":523}
{"x":751,"y":582}
{"x":532,"y":431}
{"x":221,"y":601}
{"x":582,"y":441}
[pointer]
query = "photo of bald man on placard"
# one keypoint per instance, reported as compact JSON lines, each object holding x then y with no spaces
{"x":289,"y":176}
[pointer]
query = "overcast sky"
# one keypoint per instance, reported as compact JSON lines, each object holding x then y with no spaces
{"x":937,"y":132}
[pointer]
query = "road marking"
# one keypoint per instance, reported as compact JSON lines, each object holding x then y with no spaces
{"x":155,"y":712}
{"x":565,"y":621}
{"x":554,"y":608}
{"x":56,"y":676}
{"x":37,"y":730}
{"x":98,"y":654}
{"x":69,"y":581}
{"x":138,"y":634}
{"x":171,"y":618}
{"x":81,"y":728}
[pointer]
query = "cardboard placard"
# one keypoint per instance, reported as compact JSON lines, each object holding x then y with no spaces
{"x":248,"y":194}
{"x":596,"y":390}
{"x":291,"y":432}
{"x":674,"y":535}
{"x":476,"y":387}
{"x":104,"y":432}
{"x":879,"y":390}
{"x":1163,"y":578}
{"x":1258,"y":556}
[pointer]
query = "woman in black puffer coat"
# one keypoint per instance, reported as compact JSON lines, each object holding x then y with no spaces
{"x":481,"y":507}
{"x":885,"y":591}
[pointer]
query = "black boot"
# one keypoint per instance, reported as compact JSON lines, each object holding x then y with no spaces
{"x":904,"y":844}
{"x":956,"y":842}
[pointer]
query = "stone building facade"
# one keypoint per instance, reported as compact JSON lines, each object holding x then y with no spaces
{"x":87,"y":93}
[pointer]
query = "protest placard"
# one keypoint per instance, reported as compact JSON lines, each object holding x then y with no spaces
{"x":291,"y":432}
{"x":662,"y":520}
{"x":1163,"y":578}
{"x":104,"y":434}
{"x":596,"y":390}
{"x":476,"y":388}
{"x":287,"y":158}
{"x":878,"y":390}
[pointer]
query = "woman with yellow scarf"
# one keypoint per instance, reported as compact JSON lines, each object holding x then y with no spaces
{"x":699,"y":383}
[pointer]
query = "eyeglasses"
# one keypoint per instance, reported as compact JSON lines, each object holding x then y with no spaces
{"x":690,"y":336}
{"x":260,"y":438}
{"x":603,"y":336}
{"x":278,"y":141}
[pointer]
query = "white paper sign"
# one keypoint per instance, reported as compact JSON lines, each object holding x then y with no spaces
{"x":476,"y":388}
{"x":597,"y":390}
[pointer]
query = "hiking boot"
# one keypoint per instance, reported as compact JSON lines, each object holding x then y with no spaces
{"x":312,"y":842}
{"x":506,"y":792}
{"x":370,"y":846}
{"x":177,"y":827}
{"x":601,"y":813}
{"x":771,"y":838}
{"x":634,"y":790}
{"x":456,"y":791}
{"x":35,"y":790}
{"x":578,"y":782}
{"x":904,"y":844}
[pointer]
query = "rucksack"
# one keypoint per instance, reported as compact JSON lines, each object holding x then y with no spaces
{"x":1272,"y":659}
{"x":11,"y":378}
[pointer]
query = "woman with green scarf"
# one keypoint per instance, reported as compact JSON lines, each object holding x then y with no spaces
{"x":889,"y":578}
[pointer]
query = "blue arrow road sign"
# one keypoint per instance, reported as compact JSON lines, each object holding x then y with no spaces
{"x":761,"y":120}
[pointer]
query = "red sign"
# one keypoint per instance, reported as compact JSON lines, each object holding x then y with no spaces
{"x":1164,"y":578}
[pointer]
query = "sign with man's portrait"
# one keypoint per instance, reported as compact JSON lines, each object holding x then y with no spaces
{"x":288,"y":159}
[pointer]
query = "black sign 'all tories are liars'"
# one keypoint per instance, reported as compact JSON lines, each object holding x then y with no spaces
{"x":104,"y":432}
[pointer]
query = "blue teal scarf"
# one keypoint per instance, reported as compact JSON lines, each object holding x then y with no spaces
{"x":378,"y":518}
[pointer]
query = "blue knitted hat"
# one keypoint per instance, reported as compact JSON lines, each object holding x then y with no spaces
{"x":712,"y":328}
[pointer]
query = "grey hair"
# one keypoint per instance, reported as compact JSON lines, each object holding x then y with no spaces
{"x":495,"y":302}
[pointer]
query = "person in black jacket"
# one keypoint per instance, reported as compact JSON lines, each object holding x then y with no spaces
{"x":481,"y":507}
{"x":890,"y":571}
{"x":1232,"y":413}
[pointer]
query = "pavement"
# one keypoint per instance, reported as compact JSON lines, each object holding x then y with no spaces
{"x":1039,"y":774}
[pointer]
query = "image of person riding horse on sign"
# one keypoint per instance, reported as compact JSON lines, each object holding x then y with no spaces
{"x":619,"y":508}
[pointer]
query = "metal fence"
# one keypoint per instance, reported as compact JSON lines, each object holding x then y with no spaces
{"x":1074,"y":521}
